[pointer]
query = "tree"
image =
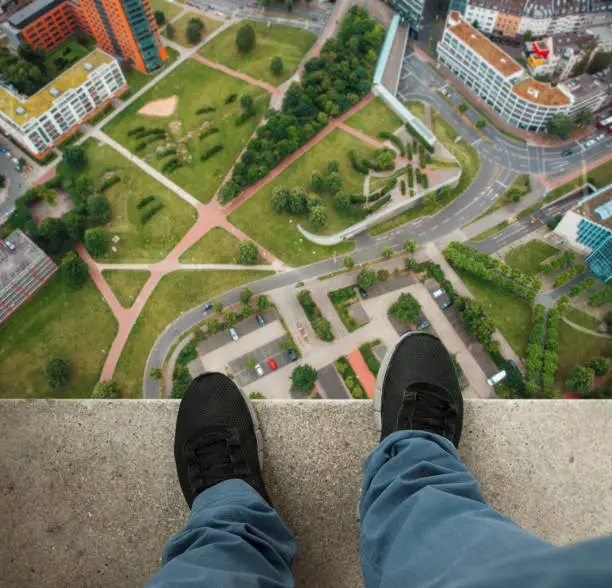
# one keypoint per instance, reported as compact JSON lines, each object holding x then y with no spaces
{"x":156,"y":373}
{"x":246,"y":101}
{"x":527,"y":36}
{"x":250,"y":363}
{"x":75,"y":157}
{"x":317,"y":182}
{"x":277,"y":65}
{"x":560,"y":126}
{"x":334,"y":182}
{"x":585,"y":117}
{"x":74,"y":270}
{"x":160,"y":18}
{"x":263,"y":303}
{"x":608,"y":320}
{"x":463,"y":107}
{"x":322,"y":327}
{"x":600,"y":61}
{"x":248,"y":254}
{"x":195,"y":28}
{"x":246,"y":295}
{"x":53,"y":233}
{"x":366,"y":278}
{"x":481,"y":123}
{"x":387,"y":253}
{"x":57,"y":372}
{"x":230,"y":317}
{"x":97,"y":242}
{"x":285,"y":345}
{"x":382,"y":275}
{"x":246,"y":38}
{"x":98,"y":210}
{"x":303,"y":378}
{"x":406,"y":308}
{"x":107,"y":389}
{"x":46,"y":194}
{"x":318,"y":217}
{"x":170,"y":32}
{"x":218,"y":306}
{"x":348,"y":262}
{"x":75,"y":226}
{"x":342,"y":201}
{"x":288,"y":5}
{"x":602,"y":366}
{"x":333,"y":166}
{"x":475,"y":24}
{"x":410,"y":246}
{"x":580,"y":379}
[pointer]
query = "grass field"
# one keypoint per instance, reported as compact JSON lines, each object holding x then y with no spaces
{"x":59,"y":321}
{"x":581,"y":318}
{"x":602,"y":175}
{"x":417,"y":108}
{"x":196,"y":86}
{"x":510,"y":314}
{"x":176,"y":293}
{"x":66,"y":54}
{"x":374,"y":118}
{"x":575,"y":348}
{"x":136,"y":79}
{"x":153,"y":240}
{"x":529,"y":257}
{"x":216,"y":246}
{"x":180,"y":28}
{"x":126,"y":284}
{"x":170,"y":10}
{"x":289,"y":43}
{"x":278,"y":233}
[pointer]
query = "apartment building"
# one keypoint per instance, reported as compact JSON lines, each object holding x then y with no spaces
{"x":563,"y":52}
{"x":505,"y":85}
{"x":54,"y":112}
{"x":125,"y":28}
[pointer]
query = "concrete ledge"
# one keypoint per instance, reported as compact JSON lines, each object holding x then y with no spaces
{"x":89,"y":494}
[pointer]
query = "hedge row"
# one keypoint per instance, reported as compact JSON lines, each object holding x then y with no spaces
{"x":551,"y":357}
{"x":601,"y":297}
{"x":568,"y":274}
{"x":208,"y":132}
{"x":166,"y":152}
{"x":418,"y":137}
{"x":394,"y":139}
{"x":205,"y":109}
{"x":171,"y":165}
{"x":534,"y":354}
{"x":150,"y":213}
{"x":106,"y":184}
{"x":368,"y":356}
{"x":144,"y":201}
{"x":362,"y":166}
{"x":555,"y":264}
{"x":210,"y":152}
{"x":321,"y":326}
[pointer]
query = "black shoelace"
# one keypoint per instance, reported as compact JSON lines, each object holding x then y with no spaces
{"x":214,"y":456}
{"x":428,"y":409}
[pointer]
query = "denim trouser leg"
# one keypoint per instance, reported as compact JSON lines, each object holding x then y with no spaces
{"x":233,"y":539}
{"x":425,"y":524}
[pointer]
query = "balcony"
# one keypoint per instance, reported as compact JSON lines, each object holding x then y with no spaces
{"x":89,"y":495}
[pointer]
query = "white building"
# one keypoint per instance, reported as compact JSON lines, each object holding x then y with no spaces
{"x":483,"y":14}
{"x":504,"y":85}
{"x":54,"y":112}
{"x":604,"y":37}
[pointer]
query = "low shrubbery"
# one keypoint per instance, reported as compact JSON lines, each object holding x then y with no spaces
{"x":144,"y":201}
{"x":171,"y":165}
{"x":148,"y":214}
{"x":568,"y":274}
{"x":602,"y":297}
{"x":368,"y":356}
{"x":321,"y":326}
{"x":342,"y":300}
{"x":350,"y":378}
{"x":394,"y":139}
{"x":205,"y":109}
{"x":211,"y":152}
{"x":106,"y":184}
{"x":534,"y":354}
{"x":550,"y":356}
{"x":208,"y":132}
{"x":565,"y":259}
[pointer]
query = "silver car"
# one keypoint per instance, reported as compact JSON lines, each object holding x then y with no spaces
{"x":233,"y":334}
{"x":259,"y":370}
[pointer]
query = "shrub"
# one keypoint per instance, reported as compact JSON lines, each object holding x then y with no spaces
{"x":363,"y":166}
{"x":229,"y":191}
{"x":166,"y":153}
{"x":418,"y":137}
{"x":277,"y":66}
{"x":97,"y":241}
{"x":231,"y":98}
{"x":602,"y":297}
{"x":303,"y":378}
{"x":318,"y":217}
{"x":106,"y":389}
{"x":403,"y":187}
{"x":342,"y":201}
{"x":135,"y":131}
{"x":379,"y":204}
{"x":171,"y":165}
{"x":394,"y":139}
{"x":317,"y":182}
{"x":205,"y":109}
{"x":144,"y":201}
{"x":208,"y":132}
{"x":210,"y":152}
{"x":148,"y":214}
{"x":106,"y":184}
{"x":245,"y":38}
{"x":74,"y":270}
{"x":57,"y":372}
{"x":382,"y":275}
{"x":248,"y":254}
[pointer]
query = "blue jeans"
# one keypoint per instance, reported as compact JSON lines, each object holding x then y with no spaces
{"x":424,"y":523}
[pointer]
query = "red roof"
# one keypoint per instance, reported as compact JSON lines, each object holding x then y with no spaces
{"x":365,"y":376}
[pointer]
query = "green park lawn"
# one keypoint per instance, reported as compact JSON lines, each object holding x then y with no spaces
{"x":602,"y":175}
{"x":169,"y":9}
{"x":510,"y":314}
{"x":136,"y":79}
{"x":126,"y":284}
{"x":417,"y":108}
{"x":61,"y":322}
{"x":137,"y":242}
{"x":375,"y":117}
{"x":529,"y":257}
{"x":216,"y":246}
{"x":576,"y":348}
{"x":196,"y":86}
{"x":581,"y":318}
{"x":180,"y":28}
{"x":279,"y":233}
{"x":289,"y":43}
{"x":176,"y":293}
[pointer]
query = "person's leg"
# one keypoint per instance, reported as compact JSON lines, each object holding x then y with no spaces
{"x":423,"y":516}
{"x":234,"y":538}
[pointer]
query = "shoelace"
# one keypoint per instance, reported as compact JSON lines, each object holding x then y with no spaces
{"x":428,"y":409}
{"x":214,"y":456}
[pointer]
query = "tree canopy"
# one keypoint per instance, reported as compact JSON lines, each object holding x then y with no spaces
{"x":406,"y":308}
{"x":246,"y":38}
{"x":74,"y":270}
{"x":303,"y":378}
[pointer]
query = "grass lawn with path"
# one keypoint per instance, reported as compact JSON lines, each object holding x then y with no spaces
{"x":180,"y":28}
{"x":73,"y":324}
{"x":581,"y":318}
{"x":529,"y":257}
{"x":176,"y":293}
{"x":510,"y":314}
{"x":576,"y":348}
{"x":375,"y":117}
{"x":417,"y":108}
{"x":138,"y":243}
{"x":216,"y":246}
{"x":136,"y":79}
{"x":279,"y":233}
{"x":196,"y":86}
{"x":289,"y":43}
{"x":169,"y":9}
{"x":126,"y":284}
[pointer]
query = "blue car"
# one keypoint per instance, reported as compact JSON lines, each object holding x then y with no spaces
{"x":424,"y":325}
{"x":2,"y":149}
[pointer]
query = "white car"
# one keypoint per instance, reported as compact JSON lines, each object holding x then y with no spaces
{"x":438,"y":293}
{"x":233,"y":334}
{"x":259,"y":370}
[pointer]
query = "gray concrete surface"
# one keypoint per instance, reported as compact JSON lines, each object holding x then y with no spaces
{"x":89,"y":490}
{"x":331,"y":382}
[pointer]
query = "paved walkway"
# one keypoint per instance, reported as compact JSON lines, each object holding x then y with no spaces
{"x":364,"y":375}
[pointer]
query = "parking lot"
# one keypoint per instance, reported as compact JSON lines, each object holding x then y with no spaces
{"x":270,"y":350}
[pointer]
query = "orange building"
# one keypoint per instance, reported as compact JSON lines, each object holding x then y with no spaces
{"x":125,"y":28}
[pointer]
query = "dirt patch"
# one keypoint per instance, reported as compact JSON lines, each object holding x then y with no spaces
{"x":41,"y":209}
{"x":162,"y":107}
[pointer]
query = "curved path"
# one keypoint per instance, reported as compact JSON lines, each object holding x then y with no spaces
{"x":585,"y":330}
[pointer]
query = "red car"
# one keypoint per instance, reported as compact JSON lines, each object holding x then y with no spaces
{"x":272,"y":364}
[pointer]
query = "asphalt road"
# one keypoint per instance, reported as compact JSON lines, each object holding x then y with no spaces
{"x":17,"y":183}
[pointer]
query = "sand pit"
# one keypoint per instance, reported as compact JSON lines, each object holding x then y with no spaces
{"x":163,"y":107}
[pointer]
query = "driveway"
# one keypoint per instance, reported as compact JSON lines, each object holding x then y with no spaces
{"x":332,"y":384}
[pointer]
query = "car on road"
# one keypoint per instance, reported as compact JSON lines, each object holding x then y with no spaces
{"x":273,"y":365}
{"x":2,"y":149}
{"x":363,"y":293}
{"x":207,"y":306}
{"x":535,"y":220}
{"x":260,"y":320}
{"x":446,"y":304}
{"x":292,"y":354}
{"x":234,"y":334}
{"x":259,"y":370}
{"x":424,"y":325}
{"x":567,"y":152}
{"x":10,"y":246}
{"x":438,"y":293}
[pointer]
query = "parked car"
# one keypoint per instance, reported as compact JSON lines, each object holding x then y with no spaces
{"x":438,"y":293}
{"x":273,"y":365}
{"x":446,"y":304}
{"x":8,"y":154}
{"x":363,"y":293}
{"x":259,"y":370}
{"x":10,"y":246}
{"x":206,"y":306}
{"x":2,"y":149}
{"x":424,"y":325}
{"x":292,"y":354}
{"x":260,"y":320}
{"x":233,"y":334}
{"x":567,"y":152}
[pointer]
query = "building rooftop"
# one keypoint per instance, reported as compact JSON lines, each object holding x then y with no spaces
{"x":40,"y":102}
{"x":585,"y":85}
{"x":90,"y":496}
{"x":594,"y":205}
{"x":31,"y":12}
{"x":576,"y":42}
{"x":13,"y":264}
{"x":541,"y":93}
{"x":499,"y":59}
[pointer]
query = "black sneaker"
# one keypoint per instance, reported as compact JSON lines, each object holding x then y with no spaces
{"x":217,"y":437}
{"x":417,"y":389}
